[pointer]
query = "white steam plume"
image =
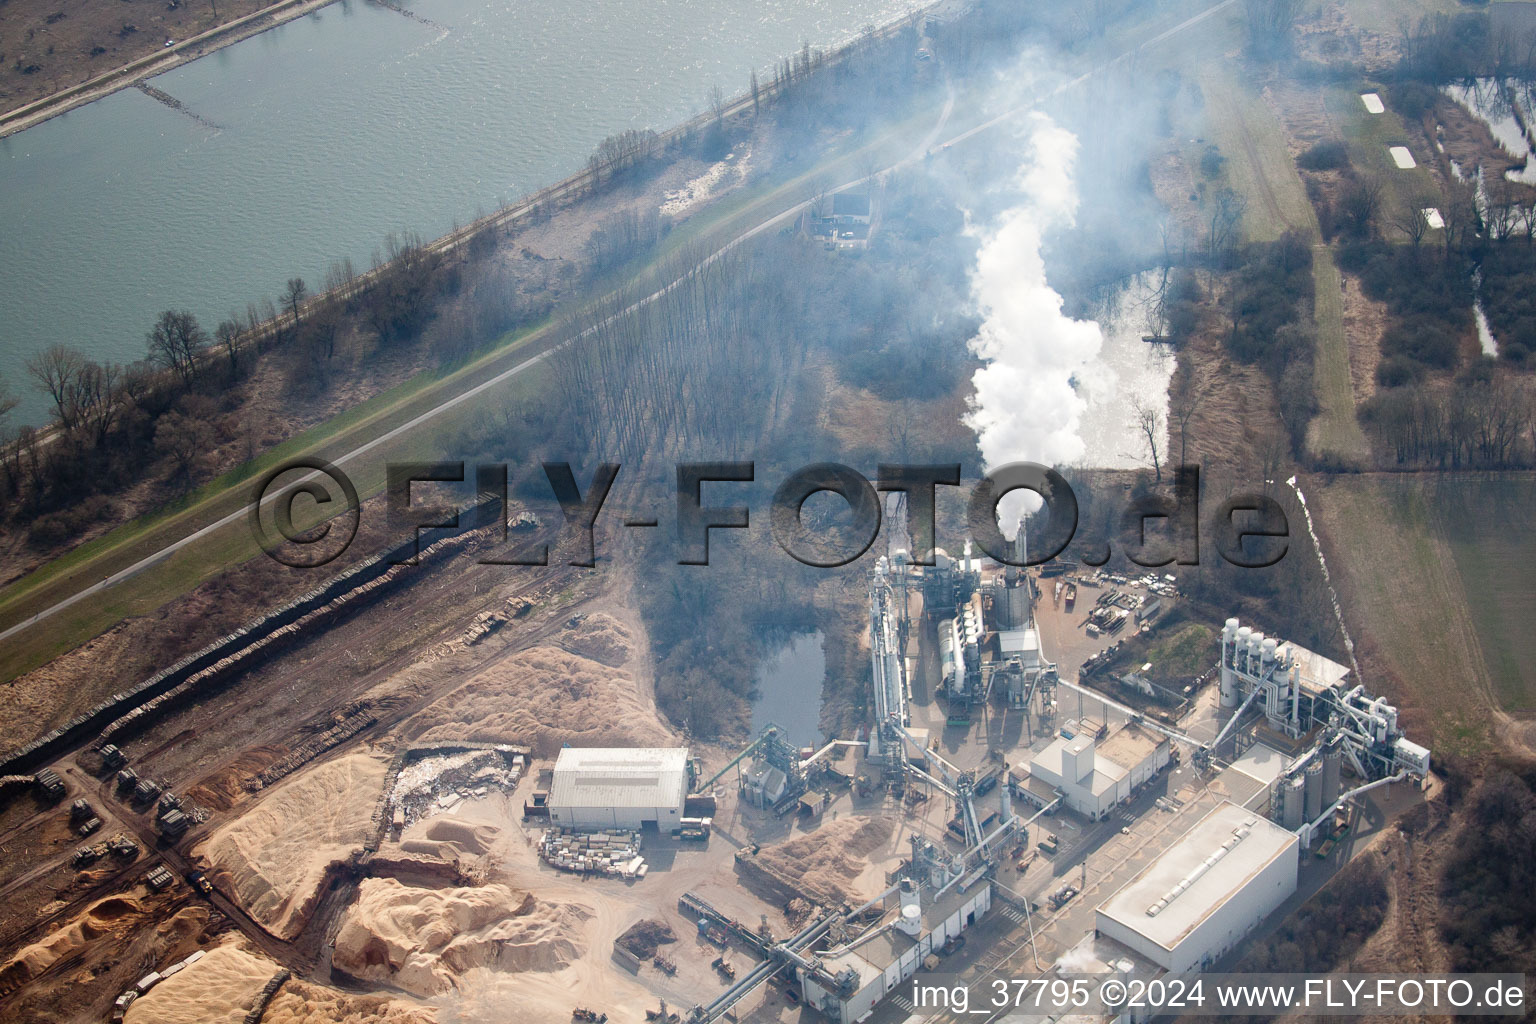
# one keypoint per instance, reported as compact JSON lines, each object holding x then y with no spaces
{"x":1025,"y":407}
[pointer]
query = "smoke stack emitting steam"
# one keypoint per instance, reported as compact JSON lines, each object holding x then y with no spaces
{"x":1025,"y":407}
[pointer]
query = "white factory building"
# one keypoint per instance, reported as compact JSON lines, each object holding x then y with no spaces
{"x":1203,"y":894}
{"x":852,"y":978}
{"x":1092,"y":776}
{"x":619,"y":787}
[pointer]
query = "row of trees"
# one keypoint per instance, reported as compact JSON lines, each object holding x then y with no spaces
{"x":1270,"y":308}
{"x":1481,"y":423}
{"x":1488,"y":887}
{"x":1442,"y":48}
{"x":113,"y":423}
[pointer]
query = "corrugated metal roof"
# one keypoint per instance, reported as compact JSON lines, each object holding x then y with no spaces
{"x":620,"y":777}
{"x":1186,"y":905}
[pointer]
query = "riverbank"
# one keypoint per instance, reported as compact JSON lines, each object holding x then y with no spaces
{"x":156,"y":58}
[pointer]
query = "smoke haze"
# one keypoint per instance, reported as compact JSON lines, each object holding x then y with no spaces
{"x":1025,"y":407}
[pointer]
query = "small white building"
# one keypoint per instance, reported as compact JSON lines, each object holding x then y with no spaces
{"x":619,"y":787}
{"x":854,"y":977}
{"x":1093,"y":776}
{"x":1203,"y":894}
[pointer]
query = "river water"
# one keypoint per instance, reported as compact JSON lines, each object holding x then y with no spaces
{"x":314,"y":140}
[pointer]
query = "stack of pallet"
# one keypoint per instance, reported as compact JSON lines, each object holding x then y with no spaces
{"x":614,"y":852}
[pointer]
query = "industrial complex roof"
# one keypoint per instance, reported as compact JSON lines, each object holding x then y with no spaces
{"x":620,"y":777}
{"x":881,"y":944}
{"x":1130,"y":745}
{"x":1183,"y":909}
{"x":1317,"y":672}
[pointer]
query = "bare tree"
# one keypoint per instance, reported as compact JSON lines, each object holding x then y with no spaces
{"x":294,"y":294}
{"x":229,"y":334}
{"x":755,"y":94}
{"x":176,"y":342}
{"x":1411,"y":221}
{"x":98,"y":400}
{"x":1226,"y":216}
{"x":184,"y":438}
{"x":1149,"y":420}
{"x":1460,"y":214}
{"x":1360,"y":204}
{"x":1191,"y":394}
{"x":1272,"y":24}
{"x":56,"y":371}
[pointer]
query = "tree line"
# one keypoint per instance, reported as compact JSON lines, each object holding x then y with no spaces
{"x":114,"y":425}
{"x":1478,"y":422}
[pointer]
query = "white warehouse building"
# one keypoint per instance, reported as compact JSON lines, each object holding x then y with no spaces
{"x":1203,"y":894}
{"x":1093,"y":776}
{"x":619,"y":787}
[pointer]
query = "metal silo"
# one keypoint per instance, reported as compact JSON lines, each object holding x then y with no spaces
{"x":1292,"y":805}
{"x":1314,"y":789}
{"x":1333,"y":758}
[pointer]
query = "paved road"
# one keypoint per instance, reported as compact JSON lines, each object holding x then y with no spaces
{"x":918,"y":153}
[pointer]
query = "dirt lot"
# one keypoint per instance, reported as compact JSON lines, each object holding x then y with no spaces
{"x":49,"y":45}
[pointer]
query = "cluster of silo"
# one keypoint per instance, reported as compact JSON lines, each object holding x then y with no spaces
{"x":1302,"y":796}
{"x":1290,"y":802}
{"x":1228,"y":679}
{"x":1244,"y":651}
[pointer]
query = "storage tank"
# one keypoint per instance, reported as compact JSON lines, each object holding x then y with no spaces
{"x":1011,"y":606}
{"x":1294,"y":790}
{"x":1267,"y":650}
{"x":1314,"y":790}
{"x":1333,"y":763}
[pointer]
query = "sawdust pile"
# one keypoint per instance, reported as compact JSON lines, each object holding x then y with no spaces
{"x":275,"y":856}
{"x":542,"y":698}
{"x":453,"y":840}
{"x":603,"y":638}
{"x":300,"y":1002}
{"x":827,"y":864}
{"x":221,"y":987}
{"x":114,"y":914}
{"x":423,"y":940}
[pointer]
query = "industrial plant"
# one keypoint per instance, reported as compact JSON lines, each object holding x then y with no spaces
{"x":1271,"y":762}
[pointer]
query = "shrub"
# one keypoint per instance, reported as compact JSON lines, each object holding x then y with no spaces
{"x":1332,"y":155}
{"x":1397,"y":371}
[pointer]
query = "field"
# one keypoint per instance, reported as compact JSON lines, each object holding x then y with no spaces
{"x":1440,"y":581}
{"x":1335,"y":430}
{"x":1259,"y":165}
{"x":1368,"y":137}
{"x":1187,"y":651}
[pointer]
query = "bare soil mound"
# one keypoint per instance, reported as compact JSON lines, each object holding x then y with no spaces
{"x":276,"y":855}
{"x":544,"y":697}
{"x":644,"y":937}
{"x":826,"y":864}
{"x":423,"y":940}
{"x":98,"y":920}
